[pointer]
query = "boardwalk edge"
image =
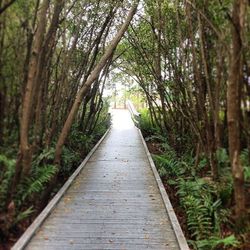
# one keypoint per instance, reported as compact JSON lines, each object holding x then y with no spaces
{"x":171,"y":214}
{"x":32,"y":229}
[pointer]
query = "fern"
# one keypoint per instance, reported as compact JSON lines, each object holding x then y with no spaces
{"x":225,"y":188}
{"x":217,"y":243}
{"x":247,"y":173}
{"x":197,"y":187}
{"x":157,"y":138}
{"x":35,"y":183}
{"x":169,"y":166}
{"x":218,"y":215}
{"x":42,"y":176}
{"x":201,"y":198}
{"x":203,"y":163}
{"x":198,"y":219}
{"x":164,"y":165}
{"x":146,"y":125}
{"x":203,"y":213}
{"x":45,"y":157}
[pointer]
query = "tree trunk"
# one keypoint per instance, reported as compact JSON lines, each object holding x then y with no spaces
{"x":24,"y":158}
{"x":233,"y":106}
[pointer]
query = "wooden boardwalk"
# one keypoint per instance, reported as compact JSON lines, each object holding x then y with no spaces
{"x":114,"y":203}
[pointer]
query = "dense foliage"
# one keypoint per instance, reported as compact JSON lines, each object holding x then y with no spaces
{"x":191,"y":59}
{"x":54,"y":60}
{"x":203,"y":205}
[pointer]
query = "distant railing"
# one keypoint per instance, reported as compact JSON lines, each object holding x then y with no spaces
{"x":135,"y":115}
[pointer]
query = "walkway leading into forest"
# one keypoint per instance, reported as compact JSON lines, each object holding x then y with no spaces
{"x":114,"y":203}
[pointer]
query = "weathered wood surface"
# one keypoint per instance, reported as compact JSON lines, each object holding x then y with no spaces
{"x":114,"y":203}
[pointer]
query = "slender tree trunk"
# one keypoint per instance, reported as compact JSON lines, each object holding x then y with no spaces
{"x":233,"y":105}
{"x":211,"y":139}
{"x":43,"y":73}
{"x":24,"y":159}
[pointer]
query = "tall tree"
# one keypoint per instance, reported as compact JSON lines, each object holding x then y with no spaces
{"x":25,"y":154}
{"x":234,"y":89}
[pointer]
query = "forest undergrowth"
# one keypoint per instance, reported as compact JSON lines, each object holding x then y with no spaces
{"x":204,"y":207}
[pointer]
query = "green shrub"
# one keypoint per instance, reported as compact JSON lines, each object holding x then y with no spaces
{"x":78,"y":141}
{"x":34,"y":184}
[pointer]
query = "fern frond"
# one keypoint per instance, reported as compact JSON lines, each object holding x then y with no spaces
{"x":36,"y":183}
{"x":45,"y":156}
